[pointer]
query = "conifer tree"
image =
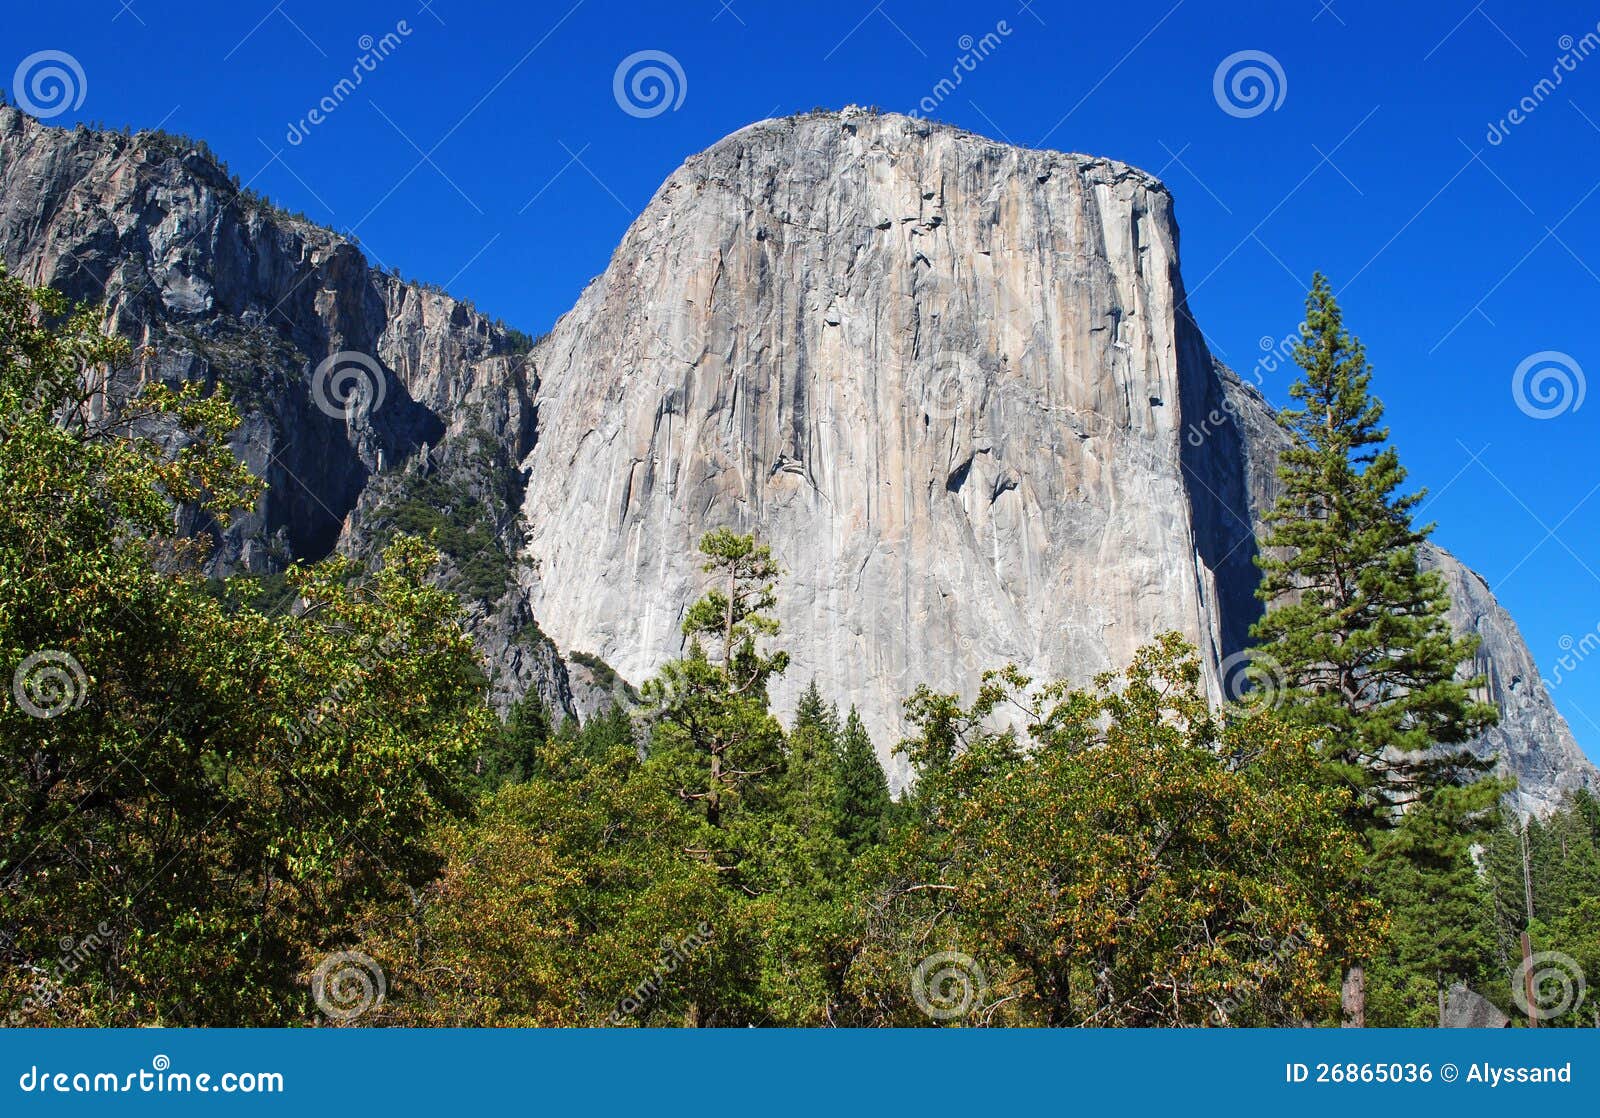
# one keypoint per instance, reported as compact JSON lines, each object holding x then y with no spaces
{"x":810,"y":778}
{"x":713,"y":726}
{"x":1355,"y":634}
{"x":1441,"y":927}
{"x":863,"y":789}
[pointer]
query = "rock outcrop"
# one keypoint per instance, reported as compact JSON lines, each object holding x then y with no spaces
{"x":289,"y":317}
{"x":955,"y":385}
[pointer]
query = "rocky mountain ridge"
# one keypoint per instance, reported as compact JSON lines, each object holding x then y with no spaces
{"x":954,"y":383}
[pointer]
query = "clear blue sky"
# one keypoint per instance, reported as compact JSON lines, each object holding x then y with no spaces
{"x":488,"y":153}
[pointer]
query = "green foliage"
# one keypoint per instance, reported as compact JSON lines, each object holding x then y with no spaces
{"x":1563,"y":864}
{"x":863,"y":801}
{"x":214,"y":790}
{"x":512,"y":752}
{"x":460,"y":525}
{"x":565,"y":903}
{"x":239,"y":778}
{"x":1140,"y":863}
{"x":1441,"y":917}
{"x":1356,"y":639}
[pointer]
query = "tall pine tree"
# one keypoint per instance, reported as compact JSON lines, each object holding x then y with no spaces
{"x":1355,"y":632}
{"x":863,"y":789}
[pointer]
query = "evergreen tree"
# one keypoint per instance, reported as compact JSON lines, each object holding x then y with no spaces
{"x":1563,"y":875}
{"x":1355,"y":632}
{"x":1441,"y":915}
{"x":863,"y":803}
{"x":809,"y":785}
{"x":812,"y":713}
{"x":510,"y":753}
{"x":713,"y":729}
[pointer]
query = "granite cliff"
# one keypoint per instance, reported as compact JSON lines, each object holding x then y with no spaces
{"x":954,"y":383}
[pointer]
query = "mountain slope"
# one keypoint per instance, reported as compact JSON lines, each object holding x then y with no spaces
{"x":954,"y":383}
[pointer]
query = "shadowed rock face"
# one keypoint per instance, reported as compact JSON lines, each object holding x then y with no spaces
{"x":953,"y":383}
{"x":232,"y":292}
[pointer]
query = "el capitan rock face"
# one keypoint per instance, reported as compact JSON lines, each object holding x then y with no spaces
{"x":953,"y":383}
{"x":947,"y":380}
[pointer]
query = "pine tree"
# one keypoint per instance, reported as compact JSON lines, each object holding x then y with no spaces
{"x":863,"y":789}
{"x":1356,"y":633}
{"x":811,"y":712}
{"x":713,"y":724}
{"x":510,"y":754}
{"x":1441,"y":926}
{"x":809,"y":789}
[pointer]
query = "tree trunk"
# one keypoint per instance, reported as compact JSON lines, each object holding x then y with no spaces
{"x":1353,"y":998}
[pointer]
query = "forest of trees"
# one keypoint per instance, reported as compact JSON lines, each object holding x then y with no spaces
{"x":217,"y":812}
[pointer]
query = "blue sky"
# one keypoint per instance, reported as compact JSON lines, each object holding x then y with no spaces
{"x":488,"y":153}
